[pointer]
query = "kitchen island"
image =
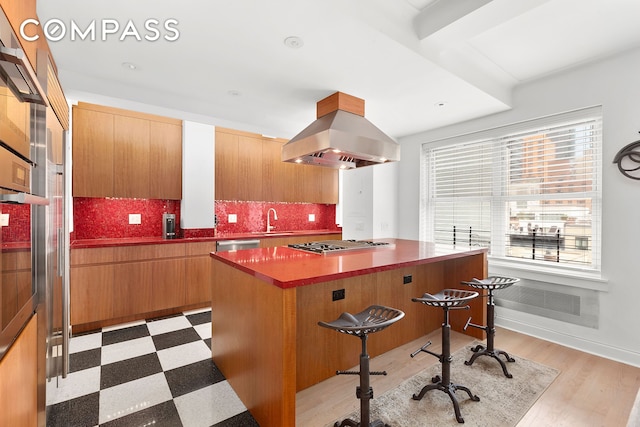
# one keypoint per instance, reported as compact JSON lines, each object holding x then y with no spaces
{"x":266,"y":303}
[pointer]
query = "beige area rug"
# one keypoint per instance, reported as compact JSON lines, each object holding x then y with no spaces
{"x":503,"y":401}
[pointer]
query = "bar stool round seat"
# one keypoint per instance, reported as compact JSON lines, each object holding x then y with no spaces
{"x":489,"y":285}
{"x":373,"y":319}
{"x":447,"y":299}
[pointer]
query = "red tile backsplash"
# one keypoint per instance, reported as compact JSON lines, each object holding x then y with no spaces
{"x":108,"y":218}
{"x":252,"y":216}
{"x":19,"y":229}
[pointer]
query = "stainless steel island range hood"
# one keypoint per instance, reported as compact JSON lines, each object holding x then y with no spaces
{"x":341,"y":137}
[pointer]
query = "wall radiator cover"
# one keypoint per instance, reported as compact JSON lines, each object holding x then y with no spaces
{"x":553,"y":301}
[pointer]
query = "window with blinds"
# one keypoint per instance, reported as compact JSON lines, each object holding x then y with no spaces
{"x":530,"y":191}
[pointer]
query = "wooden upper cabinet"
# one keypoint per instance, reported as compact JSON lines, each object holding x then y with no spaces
{"x":249,"y":168}
{"x":165,"y":159}
{"x":249,"y":176}
{"x":56,"y":133}
{"x":131,"y":157}
{"x":329,"y":189}
{"x":92,"y":153}
{"x":273,"y":171}
{"x":226,"y":166}
{"x":17,"y":11}
{"x":120,"y":153}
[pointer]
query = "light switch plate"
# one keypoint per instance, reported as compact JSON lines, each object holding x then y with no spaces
{"x":4,"y":220}
{"x":135,"y":219}
{"x":312,"y":217}
{"x":233,"y":218}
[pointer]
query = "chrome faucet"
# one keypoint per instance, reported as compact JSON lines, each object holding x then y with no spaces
{"x":275,"y":217}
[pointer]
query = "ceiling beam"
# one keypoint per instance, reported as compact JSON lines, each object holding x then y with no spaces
{"x":441,"y":13}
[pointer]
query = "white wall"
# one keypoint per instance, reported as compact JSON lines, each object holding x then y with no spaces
{"x":198,"y":176}
{"x":369,"y":202}
{"x":357,"y":203}
{"x":614,"y":84}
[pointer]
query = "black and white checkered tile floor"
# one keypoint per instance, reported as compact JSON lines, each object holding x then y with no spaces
{"x":157,"y":372}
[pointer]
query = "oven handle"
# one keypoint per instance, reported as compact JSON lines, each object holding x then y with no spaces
{"x":23,"y":199}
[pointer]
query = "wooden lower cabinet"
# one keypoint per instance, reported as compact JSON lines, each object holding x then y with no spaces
{"x":132,"y":288}
{"x":92,"y":293}
{"x":119,"y":284}
{"x":19,"y":377}
{"x":198,"y":272}
{"x":168,"y":284}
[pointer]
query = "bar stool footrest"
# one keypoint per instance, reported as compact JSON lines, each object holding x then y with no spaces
{"x":480,"y":350}
{"x":450,"y":389}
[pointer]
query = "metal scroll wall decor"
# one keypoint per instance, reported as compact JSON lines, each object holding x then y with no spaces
{"x":628,"y":160}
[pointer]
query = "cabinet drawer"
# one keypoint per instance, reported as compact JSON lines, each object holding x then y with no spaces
{"x":91,"y":256}
{"x":200,"y":248}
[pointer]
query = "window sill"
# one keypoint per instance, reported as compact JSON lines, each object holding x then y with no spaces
{"x":560,"y":276}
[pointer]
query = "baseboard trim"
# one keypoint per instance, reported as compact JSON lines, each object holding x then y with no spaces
{"x":577,"y":343}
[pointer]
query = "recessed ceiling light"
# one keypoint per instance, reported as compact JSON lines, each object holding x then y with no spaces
{"x":233,"y":93}
{"x":440,"y":104}
{"x":294,"y":42}
{"x":129,"y":66}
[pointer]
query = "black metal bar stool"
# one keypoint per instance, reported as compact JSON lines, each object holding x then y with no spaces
{"x":373,"y":319}
{"x":447,"y":299}
{"x":490,"y":284}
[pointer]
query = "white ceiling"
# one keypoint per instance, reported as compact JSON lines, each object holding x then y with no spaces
{"x":230,"y":62}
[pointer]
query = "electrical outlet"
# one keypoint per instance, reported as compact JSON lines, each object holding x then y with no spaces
{"x":312,"y":217}
{"x":407,"y":279}
{"x":4,"y":220}
{"x":338,"y":294}
{"x":135,"y":219}
{"x":232,"y":219}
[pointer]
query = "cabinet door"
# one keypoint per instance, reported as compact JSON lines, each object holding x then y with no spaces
{"x":249,"y":174}
{"x":273,"y":172}
{"x":329,"y":190}
{"x":131,"y":157}
{"x":198,"y":280}
{"x":92,"y":153}
{"x":55,"y":131}
{"x":226,"y":173}
{"x":19,"y":373}
{"x":92,"y":294}
{"x":165,"y":157}
{"x":17,"y":12}
{"x":168,"y":288}
{"x":303,"y":183}
{"x":132,"y":284}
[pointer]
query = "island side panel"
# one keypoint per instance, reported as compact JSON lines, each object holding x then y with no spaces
{"x":253,"y":342}
{"x":321,"y":351}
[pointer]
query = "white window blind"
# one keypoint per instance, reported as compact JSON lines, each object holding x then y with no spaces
{"x":530,"y":192}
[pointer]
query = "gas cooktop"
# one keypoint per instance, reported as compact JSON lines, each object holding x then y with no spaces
{"x":331,"y":246}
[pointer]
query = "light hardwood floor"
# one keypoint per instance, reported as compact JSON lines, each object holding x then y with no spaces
{"x":590,"y":390}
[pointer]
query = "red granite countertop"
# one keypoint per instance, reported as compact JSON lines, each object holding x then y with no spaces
{"x":16,"y":246}
{"x":287,"y":268}
{"x":130,"y":241}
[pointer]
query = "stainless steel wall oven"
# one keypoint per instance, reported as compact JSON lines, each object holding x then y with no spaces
{"x":21,"y":100}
